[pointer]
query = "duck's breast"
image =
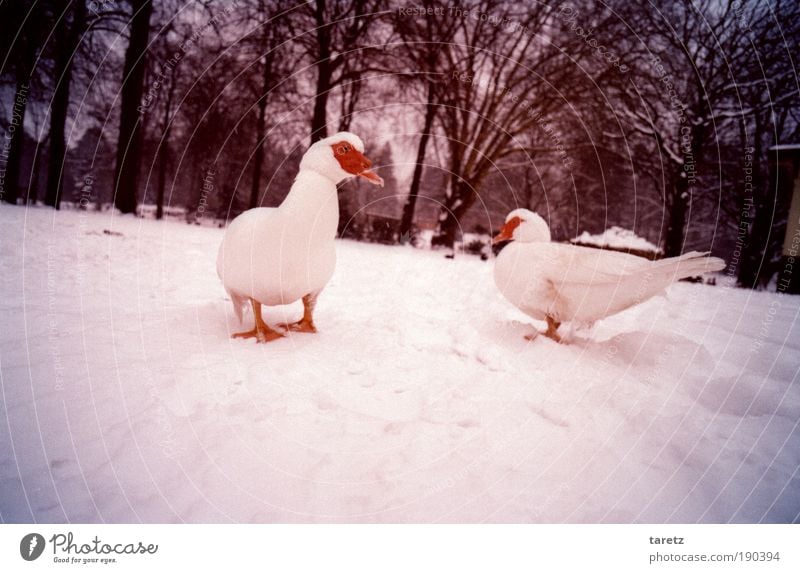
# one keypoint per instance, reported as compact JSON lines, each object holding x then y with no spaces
{"x":518,"y":276}
{"x":266,"y":256}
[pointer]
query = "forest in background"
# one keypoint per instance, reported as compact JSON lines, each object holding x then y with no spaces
{"x":654,"y":116}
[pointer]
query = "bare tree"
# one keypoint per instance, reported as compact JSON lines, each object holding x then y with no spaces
{"x":274,"y":57}
{"x":24,"y":25}
{"x":129,"y":141}
{"x":70,"y":27}
{"x":680,"y":81}
{"x":423,"y":43}
{"x":338,"y":40}
{"x":167,"y":50}
{"x":507,"y":84}
{"x":765,"y":105}
{"x":164,"y":146}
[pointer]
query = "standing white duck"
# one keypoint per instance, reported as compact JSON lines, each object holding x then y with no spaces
{"x":559,"y":282}
{"x":275,"y":256}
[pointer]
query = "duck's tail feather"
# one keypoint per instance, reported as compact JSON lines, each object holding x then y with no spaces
{"x":690,"y":265}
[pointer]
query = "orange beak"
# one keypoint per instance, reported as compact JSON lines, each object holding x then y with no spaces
{"x":507,"y":232}
{"x":363,"y":165}
{"x":372,"y":177}
{"x":501,"y":236}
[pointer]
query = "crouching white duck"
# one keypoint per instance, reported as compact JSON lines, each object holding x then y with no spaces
{"x":275,"y":256}
{"x":559,"y":282}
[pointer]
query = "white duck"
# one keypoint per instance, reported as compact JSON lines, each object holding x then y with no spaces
{"x":559,"y":282}
{"x":275,"y":256}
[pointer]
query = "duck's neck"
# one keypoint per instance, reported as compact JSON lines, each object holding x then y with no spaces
{"x":313,"y":198}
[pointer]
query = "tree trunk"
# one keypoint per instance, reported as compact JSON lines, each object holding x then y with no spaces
{"x":68,"y":38}
{"x":36,"y":177}
{"x":258,"y":160}
{"x":163,"y":161}
{"x":319,"y":120}
{"x":673,"y":242}
{"x":682,"y":188}
{"x":772,"y":192}
{"x":407,"y":222}
{"x":9,"y":190}
{"x":453,"y":210}
{"x":163,"y":150}
{"x":349,"y":101}
{"x":773,"y":177}
{"x":129,"y":142}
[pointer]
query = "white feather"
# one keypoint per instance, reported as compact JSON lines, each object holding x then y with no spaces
{"x":573,"y":283}
{"x":278,"y":255}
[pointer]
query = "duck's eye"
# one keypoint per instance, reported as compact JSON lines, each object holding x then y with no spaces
{"x":345,"y":149}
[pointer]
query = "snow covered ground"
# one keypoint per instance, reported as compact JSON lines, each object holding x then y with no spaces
{"x":125,"y":400}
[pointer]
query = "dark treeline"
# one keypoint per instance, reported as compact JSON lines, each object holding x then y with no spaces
{"x":658,"y":117}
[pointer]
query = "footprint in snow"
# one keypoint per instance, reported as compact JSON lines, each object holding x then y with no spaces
{"x":324,"y":401}
{"x":65,"y":468}
{"x":544,"y":414}
{"x":393,"y":428}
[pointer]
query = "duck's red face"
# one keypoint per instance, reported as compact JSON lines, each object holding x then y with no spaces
{"x":507,"y":232}
{"x":355,"y":162}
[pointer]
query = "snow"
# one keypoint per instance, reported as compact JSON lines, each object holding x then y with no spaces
{"x":125,"y":400}
{"x":617,"y":238}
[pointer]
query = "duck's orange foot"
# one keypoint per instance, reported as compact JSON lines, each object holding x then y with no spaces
{"x":552,"y":336}
{"x":260,"y":336}
{"x":300,"y":326}
{"x":247,"y":334}
{"x":552,"y":328}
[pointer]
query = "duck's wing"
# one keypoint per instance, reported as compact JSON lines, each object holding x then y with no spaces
{"x":573,"y":264}
{"x":593,"y":283}
{"x":554,"y":279}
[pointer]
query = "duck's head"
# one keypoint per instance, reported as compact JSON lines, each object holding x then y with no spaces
{"x":339,"y":157}
{"x":523,"y":226}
